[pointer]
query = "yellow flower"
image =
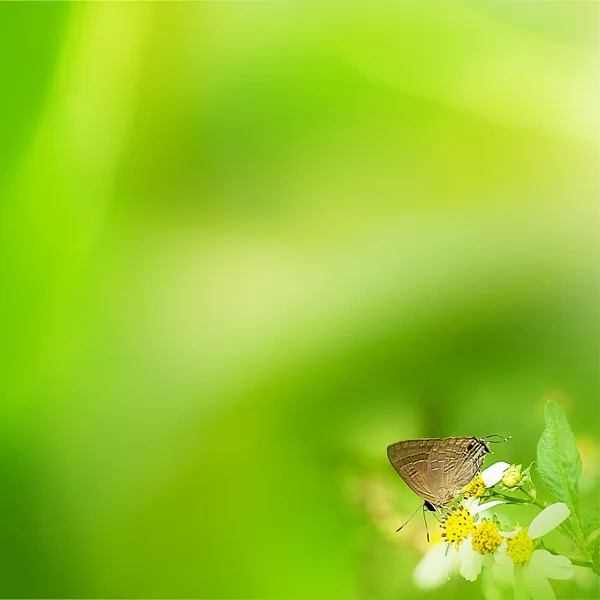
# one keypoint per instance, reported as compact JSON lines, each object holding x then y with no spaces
{"x":485,"y":538}
{"x":458,"y":552}
{"x":476,"y":488}
{"x":520,"y":547}
{"x":457,"y":525}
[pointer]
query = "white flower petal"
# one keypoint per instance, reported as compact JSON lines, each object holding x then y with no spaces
{"x":492,"y":588}
{"x":520,"y":590}
{"x":493,"y":474}
{"x":503,"y":569}
{"x":453,"y":564}
{"x":470,"y":503}
{"x":552,"y":566}
{"x":501,"y":575}
{"x":485,"y":506}
{"x":552,"y":516}
{"x":537,"y":585}
{"x":432,"y":570}
{"x":470,"y":561}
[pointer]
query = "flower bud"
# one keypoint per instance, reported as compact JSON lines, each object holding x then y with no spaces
{"x":512,"y":476}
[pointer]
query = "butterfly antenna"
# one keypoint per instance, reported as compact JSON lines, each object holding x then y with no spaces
{"x":425,"y":520}
{"x":409,"y":518}
{"x":497,"y":441}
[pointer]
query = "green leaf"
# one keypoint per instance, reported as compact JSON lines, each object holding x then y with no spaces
{"x":595,"y":554}
{"x":559,"y":465}
{"x":591,"y":529}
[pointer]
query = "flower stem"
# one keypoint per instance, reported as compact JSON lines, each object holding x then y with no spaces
{"x":513,"y":500}
{"x":533,"y":498}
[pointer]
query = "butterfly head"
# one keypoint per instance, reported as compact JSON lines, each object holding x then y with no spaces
{"x":475,"y":445}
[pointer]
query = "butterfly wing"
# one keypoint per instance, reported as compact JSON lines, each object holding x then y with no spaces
{"x":452,"y":464}
{"x":473,"y":451}
{"x":409,"y":459}
{"x":438,"y":469}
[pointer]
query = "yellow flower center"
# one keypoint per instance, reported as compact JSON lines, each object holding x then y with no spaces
{"x":512,"y":476}
{"x":520,"y":547}
{"x":476,"y":488}
{"x":485,"y":538}
{"x":457,"y":525}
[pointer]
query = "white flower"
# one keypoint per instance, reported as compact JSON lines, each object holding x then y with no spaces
{"x":473,"y":506}
{"x":457,"y":554}
{"x":471,"y":562}
{"x":493,"y":474}
{"x":436,"y":566}
{"x":527,"y":569}
{"x":445,"y":559}
{"x":472,"y":559}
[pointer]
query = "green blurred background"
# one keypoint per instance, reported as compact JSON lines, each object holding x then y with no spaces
{"x":244,"y":246}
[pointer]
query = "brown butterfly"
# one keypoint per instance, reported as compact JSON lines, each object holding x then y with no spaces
{"x":438,"y":469}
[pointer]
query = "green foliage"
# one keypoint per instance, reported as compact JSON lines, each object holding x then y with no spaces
{"x":560,"y":467}
{"x":591,"y":526}
{"x":526,"y":479}
{"x":591,"y":531}
{"x":595,"y":552}
{"x":559,"y":464}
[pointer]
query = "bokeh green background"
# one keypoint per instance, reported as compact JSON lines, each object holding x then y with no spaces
{"x":244,"y":246}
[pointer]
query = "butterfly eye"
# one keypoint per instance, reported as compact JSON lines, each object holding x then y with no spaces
{"x":470,"y":447}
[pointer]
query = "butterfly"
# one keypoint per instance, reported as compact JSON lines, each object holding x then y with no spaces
{"x":438,"y":469}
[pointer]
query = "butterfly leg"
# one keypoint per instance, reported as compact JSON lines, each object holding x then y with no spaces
{"x":437,"y":518}
{"x":440,"y":509}
{"x":425,"y":520}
